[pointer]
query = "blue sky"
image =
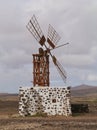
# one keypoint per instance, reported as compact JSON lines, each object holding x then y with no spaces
{"x":76,"y":23}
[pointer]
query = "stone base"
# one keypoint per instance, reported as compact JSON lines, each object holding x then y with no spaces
{"x":52,"y":101}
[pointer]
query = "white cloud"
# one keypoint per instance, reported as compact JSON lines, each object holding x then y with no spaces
{"x":92,"y":77}
{"x":78,"y":60}
{"x":12,"y":79}
{"x":15,"y":58}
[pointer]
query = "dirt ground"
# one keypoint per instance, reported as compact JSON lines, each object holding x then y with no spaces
{"x":48,"y":123}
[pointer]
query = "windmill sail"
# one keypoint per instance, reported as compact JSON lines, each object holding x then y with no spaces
{"x":53,"y":37}
{"x":60,"y":69}
{"x":35,"y":30}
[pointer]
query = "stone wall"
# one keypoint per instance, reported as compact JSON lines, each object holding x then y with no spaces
{"x":52,"y":101}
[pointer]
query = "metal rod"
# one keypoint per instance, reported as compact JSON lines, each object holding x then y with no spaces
{"x":59,"y":46}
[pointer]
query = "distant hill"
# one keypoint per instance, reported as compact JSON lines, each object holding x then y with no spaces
{"x":77,"y":91}
{"x":83,"y":90}
{"x":7,"y":96}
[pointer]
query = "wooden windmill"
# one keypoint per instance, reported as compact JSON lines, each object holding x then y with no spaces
{"x":41,"y":60}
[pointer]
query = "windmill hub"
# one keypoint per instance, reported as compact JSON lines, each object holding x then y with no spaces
{"x":42,"y":52}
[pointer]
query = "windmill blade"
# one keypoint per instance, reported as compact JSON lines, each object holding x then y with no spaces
{"x":35,"y":30}
{"x":60,"y":69}
{"x":52,"y":37}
